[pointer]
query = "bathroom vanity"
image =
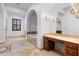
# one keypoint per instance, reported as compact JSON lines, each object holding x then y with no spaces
{"x":71,"y":43}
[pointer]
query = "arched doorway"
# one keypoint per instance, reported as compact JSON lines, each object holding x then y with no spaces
{"x":32,"y":27}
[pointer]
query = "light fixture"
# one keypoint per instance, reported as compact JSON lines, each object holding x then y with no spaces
{"x":74,"y":9}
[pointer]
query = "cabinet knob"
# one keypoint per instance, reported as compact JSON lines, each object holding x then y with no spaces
{"x":70,"y":46}
{"x":70,"y":52}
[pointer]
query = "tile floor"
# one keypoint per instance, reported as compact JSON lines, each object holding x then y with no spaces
{"x":22,"y":47}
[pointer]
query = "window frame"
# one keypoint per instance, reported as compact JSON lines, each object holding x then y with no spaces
{"x":16,"y":25}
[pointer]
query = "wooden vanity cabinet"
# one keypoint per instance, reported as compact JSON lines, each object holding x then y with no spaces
{"x":71,"y":49}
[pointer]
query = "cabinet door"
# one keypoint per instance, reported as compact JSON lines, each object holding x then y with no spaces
{"x":78,"y":50}
{"x":51,"y":44}
{"x":45,"y":43}
{"x":48,"y":43}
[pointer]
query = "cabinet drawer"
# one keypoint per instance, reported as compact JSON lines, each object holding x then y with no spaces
{"x":71,"y":45}
{"x":70,"y":52}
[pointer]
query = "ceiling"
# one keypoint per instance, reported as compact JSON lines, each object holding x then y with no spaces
{"x":24,"y":6}
{"x":21,"y":8}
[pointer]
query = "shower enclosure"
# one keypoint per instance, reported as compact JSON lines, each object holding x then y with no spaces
{"x":32,"y":27}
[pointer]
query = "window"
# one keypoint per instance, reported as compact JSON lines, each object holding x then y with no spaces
{"x":16,"y":24}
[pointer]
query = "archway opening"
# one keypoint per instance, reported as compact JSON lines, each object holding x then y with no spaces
{"x":32,"y":27}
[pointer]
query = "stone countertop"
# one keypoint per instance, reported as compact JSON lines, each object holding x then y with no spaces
{"x":63,"y":37}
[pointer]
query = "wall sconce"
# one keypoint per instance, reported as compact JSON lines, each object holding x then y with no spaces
{"x":75,"y":10}
{"x":46,"y":18}
{"x":49,"y":19}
